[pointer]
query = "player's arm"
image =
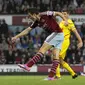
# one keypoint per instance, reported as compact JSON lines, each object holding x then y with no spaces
{"x":25,"y":32}
{"x":74,"y":30}
{"x":80,"y":43}
{"x":62,"y":16}
{"x":59,"y":14}
{"x":46,"y":13}
{"x":53,"y":13}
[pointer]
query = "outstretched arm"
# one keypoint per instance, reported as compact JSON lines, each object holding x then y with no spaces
{"x":26,"y":31}
{"x":80,"y":43}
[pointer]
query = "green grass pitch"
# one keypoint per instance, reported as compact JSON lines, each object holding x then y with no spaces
{"x":38,"y":80}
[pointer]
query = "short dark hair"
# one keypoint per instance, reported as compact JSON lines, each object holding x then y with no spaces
{"x":32,"y":11}
{"x":66,"y":10}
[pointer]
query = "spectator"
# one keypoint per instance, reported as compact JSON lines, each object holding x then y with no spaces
{"x":24,"y":44}
{"x":78,"y":10}
{"x":25,"y":7}
{"x":10,"y":57}
{"x":2,"y":58}
{"x":30,"y":43}
{"x":4,"y":27}
{"x":5,"y":45}
{"x":83,"y":5}
{"x":78,"y":56}
{"x":83,"y":29}
{"x":1,"y":5}
{"x":23,"y":59}
{"x":18,"y":44}
{"x":73,"y":60}
{"x":18,"y":8}
{"x":17,"y":58}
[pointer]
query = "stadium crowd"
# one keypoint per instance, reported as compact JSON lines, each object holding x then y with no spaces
{"x":27,"y":46}
{"x":23,"y":6}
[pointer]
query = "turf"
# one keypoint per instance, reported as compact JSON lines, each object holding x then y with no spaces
{"x":38,"y":80}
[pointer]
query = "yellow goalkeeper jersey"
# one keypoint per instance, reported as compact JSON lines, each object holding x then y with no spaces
{"x":67,"y":29}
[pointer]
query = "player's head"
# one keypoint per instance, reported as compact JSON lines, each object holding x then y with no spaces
{"x":65,"y":13}
{"x":34,"y":16}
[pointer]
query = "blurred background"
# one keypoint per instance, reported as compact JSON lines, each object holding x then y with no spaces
{"x":13,"y":20}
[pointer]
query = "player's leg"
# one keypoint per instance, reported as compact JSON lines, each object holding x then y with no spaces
{"x":54,"y":64}
{"x":65,"y":46}
{"x":57,"y":43}
{"x":68,"y":68}
{"x":37,"y":57}
{"x":58,"y":75}
{"x":49,"y":43}
{"x":62,"y":54}
{"x":40,"y":54}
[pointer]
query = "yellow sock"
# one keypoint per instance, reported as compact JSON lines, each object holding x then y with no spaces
{"x":58,"y":71}
{"x":68,"y":68}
